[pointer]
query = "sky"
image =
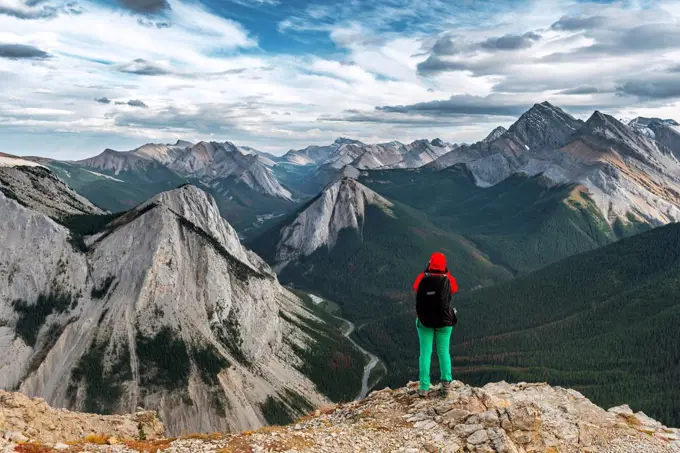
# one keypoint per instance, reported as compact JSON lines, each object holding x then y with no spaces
{"x":79,"y":76}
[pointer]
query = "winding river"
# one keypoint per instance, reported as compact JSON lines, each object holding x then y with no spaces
{"x":373,"y":359}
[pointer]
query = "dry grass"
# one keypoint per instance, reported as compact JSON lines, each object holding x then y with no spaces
{"x":294,"y":442}
{"x":204,"y":436}
{"x":32,"y":448}
{"x":149,"y":446}
{"x":95,"y":439}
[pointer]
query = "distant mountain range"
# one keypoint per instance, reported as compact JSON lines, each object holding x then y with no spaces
{"x":630,"y":171}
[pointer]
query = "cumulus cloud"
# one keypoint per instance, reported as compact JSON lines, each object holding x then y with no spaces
{"x":145,"y":6}
{"x":27,"y":9}
{"x":137,"y":103}
{"x":22,"y":51}
{"x":661,"y":86}
{"x":141,"y":66}
{"x":577,"y":23}
{"x":462,"y":105}
{"x":484,"y":67}
{"x":435,"y":65}
{"x":511,"y":42}
{"x":583,"y":89}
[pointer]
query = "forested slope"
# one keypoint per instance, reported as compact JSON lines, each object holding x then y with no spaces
{"x":604,"y":322}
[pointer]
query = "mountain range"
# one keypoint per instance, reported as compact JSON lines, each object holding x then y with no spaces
{"x":150,"y":262}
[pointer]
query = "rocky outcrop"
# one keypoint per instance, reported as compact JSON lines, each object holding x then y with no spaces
{"x":32,"y":419}
{"x":497,"y":418}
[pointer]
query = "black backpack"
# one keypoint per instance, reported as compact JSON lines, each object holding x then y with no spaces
{"x":433,"y":301}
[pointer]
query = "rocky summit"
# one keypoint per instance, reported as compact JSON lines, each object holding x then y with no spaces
{"x":499,"y":417}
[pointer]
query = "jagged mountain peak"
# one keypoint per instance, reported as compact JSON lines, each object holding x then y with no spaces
{"x":346,"y":141}
{"x":437,"y":142}
{"x":494,"y":134}
{"x":182,"y":144}
{"x":544,"y":126}
{"x":212,"y":162}
{"x":117,"y":162}
{"x":340,"y":206}
{"x":644,"y":121}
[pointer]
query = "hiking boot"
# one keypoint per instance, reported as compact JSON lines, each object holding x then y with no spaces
{"x":423,"y":393}
{"x":445,"y":389}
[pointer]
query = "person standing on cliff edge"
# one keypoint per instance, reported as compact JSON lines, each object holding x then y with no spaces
{"x":435,"y":320}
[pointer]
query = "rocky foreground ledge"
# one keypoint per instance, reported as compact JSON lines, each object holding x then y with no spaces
{"x":499,"y":417}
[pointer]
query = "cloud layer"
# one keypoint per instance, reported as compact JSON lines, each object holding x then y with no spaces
{"x":277,"y":75}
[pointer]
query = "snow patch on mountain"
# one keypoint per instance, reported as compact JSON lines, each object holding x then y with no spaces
{"x":104,"y":176}
{"x":7,"y":160}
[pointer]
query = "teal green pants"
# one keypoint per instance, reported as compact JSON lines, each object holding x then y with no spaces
{"x":442,"y":337}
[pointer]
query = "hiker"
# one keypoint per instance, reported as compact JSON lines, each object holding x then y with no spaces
{"x":435,"y":320}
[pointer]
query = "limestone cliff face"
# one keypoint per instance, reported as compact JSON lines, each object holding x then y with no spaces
{"x":165,"y":309}
{"x":341,"y":205}
{"x":497,"y":418}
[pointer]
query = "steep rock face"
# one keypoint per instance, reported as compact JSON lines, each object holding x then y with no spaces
{"x":36,"y":187}
{"x":544,"y":126}
{"x":666,"y":132}
{"x":339,"y":206}
{"x":166,"y":310}
{"x":494,"y":134}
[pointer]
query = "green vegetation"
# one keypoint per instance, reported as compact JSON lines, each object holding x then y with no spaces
{"x":104,"y":386}
{"x":50,"y":338}
{"x":209,"y":363}
{"x":331,"y":361}
{"x":9,"y":193}
{"x":98,"y":293}
{"x":82,"y":225}
{"x":604,"y":322}
{"x":370,"y":275}
{"x":163,"y":360}
{"x":275,"y":412}
{"x":229,"y":335}
{"x":247,"y":210}
{"x":33,"y":316}
{"x":522,"y":222}
{"x":301,"y":178}
{"x":297,"y":402}
{"x":88,"y":224}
